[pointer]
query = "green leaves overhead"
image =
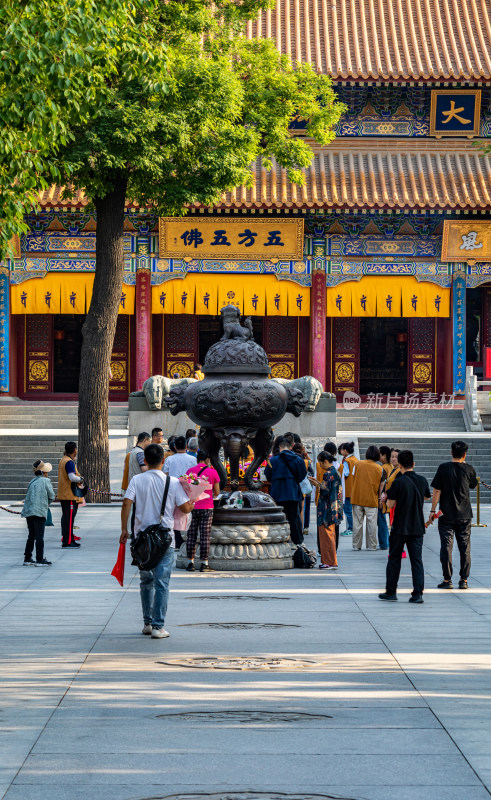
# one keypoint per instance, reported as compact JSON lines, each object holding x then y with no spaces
{"x":169,"y":94}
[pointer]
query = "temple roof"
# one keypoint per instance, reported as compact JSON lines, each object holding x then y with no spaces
{"x":377,"y":174}
{"x":374,"y":173}
{"x":384,"y":39}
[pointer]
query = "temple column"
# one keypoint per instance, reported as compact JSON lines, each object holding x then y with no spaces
{"x":459,"y":325}
{"x":143,"y":312}
{"x":318,"y":324}
{"x":4,"y":329}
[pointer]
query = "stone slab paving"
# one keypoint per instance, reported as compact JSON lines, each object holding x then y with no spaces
{"x":370,"y":701}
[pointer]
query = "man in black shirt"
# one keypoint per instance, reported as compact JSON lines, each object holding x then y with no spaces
{"x":407,"y":494}
{"x":451,"y":487}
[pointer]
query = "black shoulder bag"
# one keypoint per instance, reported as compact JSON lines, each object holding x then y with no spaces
{"x":150,"y":545}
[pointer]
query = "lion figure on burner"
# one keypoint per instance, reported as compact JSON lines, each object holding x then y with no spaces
{"x":232,"y":329}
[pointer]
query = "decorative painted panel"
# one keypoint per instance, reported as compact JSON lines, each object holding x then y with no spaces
{"x":345,"y":355}
{"x":39,"y":353}
{"x":281,"y":344}
{"x":421,"y":361}
{"x":180,"y":345}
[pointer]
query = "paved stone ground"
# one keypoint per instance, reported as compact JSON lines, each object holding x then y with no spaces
{"x":395,"y":705}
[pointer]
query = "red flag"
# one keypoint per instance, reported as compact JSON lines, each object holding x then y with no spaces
{"x":118,"y":569}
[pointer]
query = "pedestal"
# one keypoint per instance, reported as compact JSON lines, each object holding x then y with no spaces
{"x":251,"y":538}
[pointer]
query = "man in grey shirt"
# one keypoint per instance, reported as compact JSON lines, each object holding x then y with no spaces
{"x":136,"y":463}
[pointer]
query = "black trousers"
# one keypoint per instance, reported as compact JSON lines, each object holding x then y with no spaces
{"x":414,"y":545}
{"x":462,"y":530}
{"x":292,"y":513}
{"x":35,"y":526}
{"x":69,"y":510}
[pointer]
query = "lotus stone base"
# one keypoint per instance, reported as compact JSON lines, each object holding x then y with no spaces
{"x":245,"y":547}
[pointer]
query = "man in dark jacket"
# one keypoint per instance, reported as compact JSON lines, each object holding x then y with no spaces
{"x":451,"y":486}
{"x":285,"y":472}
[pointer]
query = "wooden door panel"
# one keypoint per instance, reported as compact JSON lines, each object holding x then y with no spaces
{"x":345,"y":355}
{"x":281,"y":344}
{"x":180,"y":344}
{"x":38,"y":368}
{"x":421,"y":358}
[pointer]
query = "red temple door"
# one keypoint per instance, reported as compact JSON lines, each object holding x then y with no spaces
{"x":280,"y":336}
{"x":421,"y":357}
{"x":119,"y":384}
{"x":345,"y":354}
{"x":180,"y":344}
{"x":38,"y":368}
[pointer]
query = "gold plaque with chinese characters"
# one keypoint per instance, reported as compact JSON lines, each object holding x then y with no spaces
{"x":223,"y":238}
{"x":466,"y":241}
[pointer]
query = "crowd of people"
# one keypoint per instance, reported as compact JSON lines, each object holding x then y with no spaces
{"x":380,"y":495}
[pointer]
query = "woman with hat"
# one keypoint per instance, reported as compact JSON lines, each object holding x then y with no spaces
{"x":36,"y":508}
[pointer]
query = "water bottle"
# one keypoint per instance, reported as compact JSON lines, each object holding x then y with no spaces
{"x":240,"y":500}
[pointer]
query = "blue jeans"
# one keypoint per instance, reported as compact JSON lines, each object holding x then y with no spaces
{"x":154,"y":590}
{"x":348,"y":513}
{"x":382,"y":530}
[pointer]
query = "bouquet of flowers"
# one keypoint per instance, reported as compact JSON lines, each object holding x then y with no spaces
{"x":195,"y":489}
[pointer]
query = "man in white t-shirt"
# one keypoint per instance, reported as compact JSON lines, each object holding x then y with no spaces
{"x":146,"y":491}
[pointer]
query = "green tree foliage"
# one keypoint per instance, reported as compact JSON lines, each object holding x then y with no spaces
{"x":56,"y":59}
{"x":177,"y":105}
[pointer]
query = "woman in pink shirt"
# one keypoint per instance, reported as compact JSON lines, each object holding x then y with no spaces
{"x":202,"y":515}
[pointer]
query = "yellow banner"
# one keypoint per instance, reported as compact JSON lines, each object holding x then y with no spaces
{"x":183,"y":297}
{"x":437,"y":300}
{"x":255,"y":297}
{"x":127,"y":300}
{"x":468,"y":241}
{"x":222,"y":237}
{"x":163,"y":298}
{"x":339,"y":300}
{"x":23,"y":296}
{"x":206,"y":296}
{"x":72,"y":289}
{"x":48,"y":293}
{"x":231,"y":292}
{"x":413,"y":299}
{"x":364,"y":298}
{"x":298,"y":300}
{"x":276,"y":297}
{"x":389,"y":297}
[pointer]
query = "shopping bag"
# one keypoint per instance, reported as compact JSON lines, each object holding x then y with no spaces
{"x":118,"y":569}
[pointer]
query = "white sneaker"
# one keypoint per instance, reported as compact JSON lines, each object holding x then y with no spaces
{"x":147,"y":629}
{"x":159,"y":633}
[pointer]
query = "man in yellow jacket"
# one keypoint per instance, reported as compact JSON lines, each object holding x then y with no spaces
{"x":68,"y":475}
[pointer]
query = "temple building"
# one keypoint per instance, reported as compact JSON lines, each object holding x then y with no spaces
{"x":374,"y":276}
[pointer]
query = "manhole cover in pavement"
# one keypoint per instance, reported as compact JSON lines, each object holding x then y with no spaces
{"x":236,"y":597}
{"x":237,"y":626}
{"x":250,"y":796}
{"x":244,"y":663}
{"x":247,"y":717}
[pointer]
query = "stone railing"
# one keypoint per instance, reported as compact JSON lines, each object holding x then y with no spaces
{"x":472,"y":417}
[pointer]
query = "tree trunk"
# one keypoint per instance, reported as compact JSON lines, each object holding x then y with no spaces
{"x":98,"y":337}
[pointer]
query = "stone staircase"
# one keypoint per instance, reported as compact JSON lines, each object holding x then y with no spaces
{"x":26,"y":415}
{"x":429,"y":453}
{"x":358,"y":419}
{"x":19,"y":451}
